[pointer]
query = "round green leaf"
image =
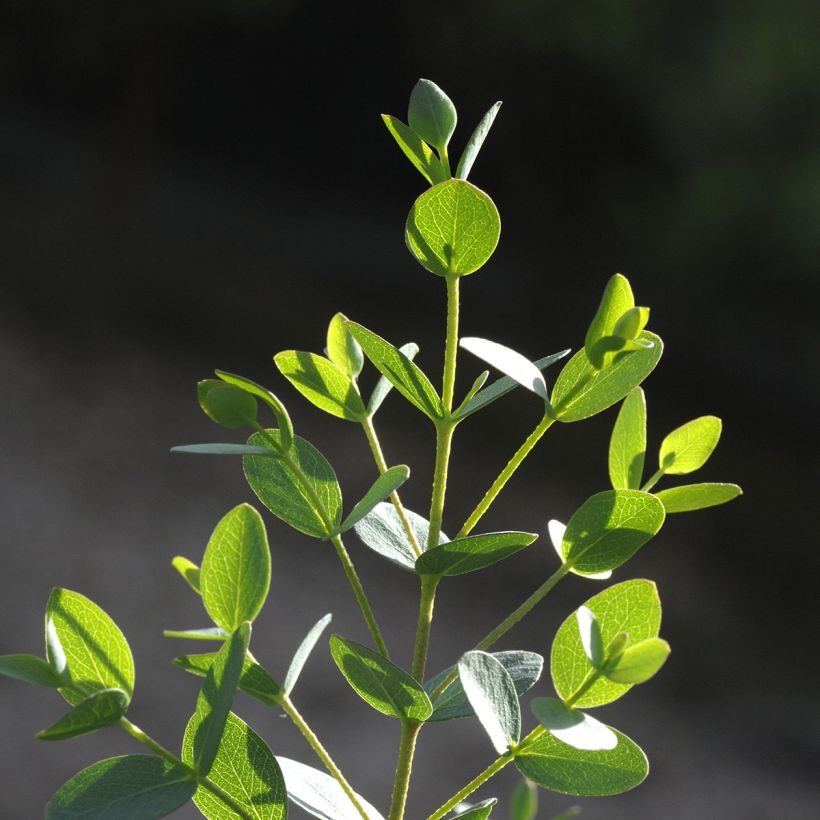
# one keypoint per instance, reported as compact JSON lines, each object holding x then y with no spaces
{"x":279,"y":486}
{"x":632,"y":607}
{"x":235,"y":574}
{"x":688,"y":448}
{"x":554,"y":765}
{"x":609,"y":528}
{"x":244,"y":768}
{"x":453,"y":228}
{"x":94,"y":652}
{"x":132,"y":787}
{"x":379,"y":682}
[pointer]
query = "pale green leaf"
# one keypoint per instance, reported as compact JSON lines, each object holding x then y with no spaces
{"x":491,"y":692}
{"x":384,"y":385}
{"x":476,"y":141}
{"x":103,"y":708}
{"x":235,"y":573}
{"x":303,"y":652}
{"x":31,"y":669}
{"x":227,"y":405}
{"x":132,"y":787}
{"x":591,"y":639}
{"x":323,"y":383}
{"x":556,"y":532}
{"x":208,"y":633}
{"x":415,"y":149}
{"x":478,"y":811}
{"x":254,"y":679}
{"x":278,"y":484}
{"x":632,"y":607}
{"x":400,"y":371}
{"x":453,"y":228}
{"x":224,"y":450}
{"x":554,"y":765}
{"x":379,"y":682}
{"x":627,"y":446}
{"x":189,"y":571}
{"x":524,"y":801}
{"x":96,"y":654}
{"x":582,"y":391}
{"x":279,"y":411}
{"x":244,"y":768}
{"x":388,"y":482}
{"x":471,"y":553}
{"x":431,"y":114}
{"x":697,"y":496}
{"x":342,"y":349}
{"x":609,"y":528}
{"x":216,"y":697}
{"x":688,"y":448}
{"x":616,"y":300}
{"x":524,"y":668}
{"x":383,"y":532}
{"x":511,"y":363}
{"x":573,"y":727}
{"x":500,"y":388}
{"x":639,"y":662}
{"x":319,"y":794}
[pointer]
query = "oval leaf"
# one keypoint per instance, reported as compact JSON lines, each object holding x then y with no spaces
{"x":103,"y":708}
{"x":31,"y":669}
{"x":383,"y":532}
{"x":381,"y":683}
{"x":476,"y":141}
{"x":697,"y":496}
{"x":554,"y":765}
{"x":388,"y":482}
{"x":453,"y":228}
{"x":688,"y":448}
{"x":572,"y":726}
{"x":244,"y":768}
{"x":609,"y":528}
{"x":615,"y":302}
{"x":227,"y":405}
{"x":524,"y":668}
{"x":319,"y":794}
{"x":235,"y":573}
{"x":639,"y":662}
{"x":632,"y":607}
{"x":511,"y":363}
{"x":582,"y":391}
{"x":303,"y":652}
{"x":96,"y":654}
{"x":216,"y":697}
{"x":323,"y":383}
{"x":132,"y":787}
{"x":627,"y":447}
{"x":400,"y":371}
{"x":431,"y":114}
{"x":279,"y":486}
{"x":342,"y":349}
{"x":254,"y":679}
{"x":471,"y":553}
{"x":491,"y":693}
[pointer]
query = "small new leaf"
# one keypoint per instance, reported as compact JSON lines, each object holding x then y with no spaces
{"x":511,"y":363}
{"x":688,"y":448}
{"x":415,"y":149}
{"x":379,"y":682}
{"x":601,"y":340}
{"x":476,"y":141}
{"x":189,"y":571}
{"x":697,"y":496}
{"x":303,"y":652}
{"x":208,"y":633}
{"x":254,"y":679}
{"x":590,"y":631}
{"x":388,"y":482}
{"x":103,"y":708}
{"x":342,"y":349}
{"x":627,"y":446}
{"x":431,"y":114}
{"x":639,"y":662}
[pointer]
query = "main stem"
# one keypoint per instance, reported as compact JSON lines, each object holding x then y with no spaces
{"x":315,"y":744}
{"x":506,"y":474}
{"x":205,"y":782}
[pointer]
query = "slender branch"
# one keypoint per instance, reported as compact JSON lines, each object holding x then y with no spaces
{"x":205,"y":782}
{"x":506,"y":474}
{"x":378,"y":455}
{"x":361,"y":598}
{"x":451,"y":345}
{"x":429,"y":584}
{"x":444,"y":439}
{"x":404,"y":765}
{"x":293,"y":713}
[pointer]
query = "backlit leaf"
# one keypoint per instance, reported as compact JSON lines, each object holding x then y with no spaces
{"x":480,"y":811}
{"x":132,"y":787}
{"x":632,"y":607}
{"x":556,"y":532}
{"x":627,"y":446}
{"x":524,"y":801}
{"x":342,"y":349}
{"x":471,"y":553}
{"x":688,"y":448}
{"x":208,"y":633}
{"x":235,"y":575}
{"x":697,"y":496}
{"x":509,"y":362}
{"x":388,"y":482}
{"x":244,"y":768}
{"x":379,"y":682}
{"x":476,"y":141}
{"x":227,"y":405}
{"x":103,"y":708}
{"x":616,"y":300}
{"x":590,"y":631}
{"x":639,"y":662}
{"x":431,"y":114}
{"x":323,"y":383}
{"x":189,"y":571}
{"x":254,"y":679}
{"x":97,"y":656}
{"x":491,"y":693}
{"x":384,"y":385}
{"x":452,"y":228}
{"x":31,"y":669}
{"x":278,"y":485}
{"x":303,"y":652}
{"x":415,"y":149}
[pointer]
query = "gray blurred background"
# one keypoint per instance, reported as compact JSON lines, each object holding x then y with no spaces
{"x":193,"y":185}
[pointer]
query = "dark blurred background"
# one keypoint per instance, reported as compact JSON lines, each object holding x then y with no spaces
{"x":192,"y":185}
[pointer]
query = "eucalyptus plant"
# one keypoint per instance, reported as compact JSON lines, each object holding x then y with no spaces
{"x":608,"y":645}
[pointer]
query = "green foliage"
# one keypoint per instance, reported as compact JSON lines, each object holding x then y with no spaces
{"x":607,"y":645}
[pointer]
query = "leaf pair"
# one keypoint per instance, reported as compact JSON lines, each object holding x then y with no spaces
{"x":683,"y":451}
